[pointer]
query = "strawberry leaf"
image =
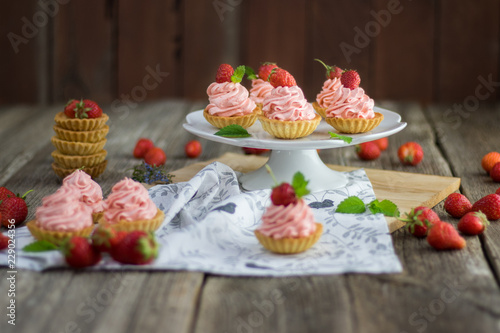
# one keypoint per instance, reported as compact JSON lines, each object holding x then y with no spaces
{"x":40,"y":246}
{"x":299,"y":184}
{"x":351,"y":205}
{"x":346,"y":139}
{"x":386,"y":207}
{"x":250,"y":73}
{"x":238,"y":74}
{"x":233,"y":131}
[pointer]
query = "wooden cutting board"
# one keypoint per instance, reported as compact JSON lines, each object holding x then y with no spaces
{"x":407,"y":190}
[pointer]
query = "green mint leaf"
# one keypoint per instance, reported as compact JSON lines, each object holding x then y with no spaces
{"x":238,"y":74}
{"x":346,"y":139}
{"x":40,"y":246}
{"x":233,"y":131}
{"x":351,"y":205}
{"x":386,"y":207}
{"x":250,"y":73}
{"x":299,"y":184}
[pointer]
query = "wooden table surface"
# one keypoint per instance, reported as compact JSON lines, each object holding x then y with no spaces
{"x":455,"y":291}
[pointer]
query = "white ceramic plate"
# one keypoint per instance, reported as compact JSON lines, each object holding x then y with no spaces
{"x":320,"y":139}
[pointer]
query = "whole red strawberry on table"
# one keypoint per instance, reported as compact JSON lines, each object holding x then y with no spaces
{"x":13,"y":208}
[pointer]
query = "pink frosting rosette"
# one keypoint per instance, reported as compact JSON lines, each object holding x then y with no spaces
{"x":349,"y":104}
{"x":293,"y":221}
{"x":229,"y":99}
{"x":287,"y":104}
{"x":63,"y":211}
{"x":128,"y":201}
{"x":327,"y":95}
{"x":90,"y":191}
{"x":260,"y":89}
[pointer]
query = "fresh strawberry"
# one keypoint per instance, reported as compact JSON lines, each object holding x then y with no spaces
{"x":5,"y":193}
{"x":265,"y":69}
{"x":283,"y":194}
{"x":105,"y":237}
{"x":14,"y":208}
{"x":281,"y":78}
{"x":155,"y":156}
{"x":489,"y":205}
{"x":193,"y":149}
{"x":136,"y":248}
{"x":254,"y":151}
{"x":473,"y":223}
{"x":489,"y":160}
{"x":368,"y":151}
{"x":410,"y":153}
{"x":382,"y":143}
{"x":443,"y":236}
{"x":419,"y":219}
{"x":457,"y":205}
{"x":224,"y":73}
{"x":90,"y":110}
{"x":331,"y":71}
{"x":495,"y":172}
{"x":79,"y":253}
{"x":4,"y":242}
{"x":142,"y":146}
{"x":70,"y":108}
{"x":350,"y":79}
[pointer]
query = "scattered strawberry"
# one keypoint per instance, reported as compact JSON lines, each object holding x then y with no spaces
{"x":410,"y":153}
{"x":136,"y":248}
{"x":104,"y":238}
{"x":155,"y":156}
{"x":71,"y":108}
{"x":382,"y":143}
{"x":443,"y":236}
{"x":489,"y":205}
{"x":473,"y":223}
{"x":281,"y":78}
{"x":265,"y":69}
{"x":457,"y":205}
{"x":497,"y":191}
{"x":79,"y":253}
{"x":350,"y":79}
{"x":283,"y":194}
{"x":5,"y":193}
{"x":14,"y":208}
{"x":489,"y":160}
{"x":193,"y":149}
{"x":4,"y":242}
{"x":368,"y":151}
{"x":254,"y":151}
{"x":495,"y":172}
{"x":331,"y":71}
{"x":419,"y":219}
{"x":142,"y":146}
{"x":224,"y":73}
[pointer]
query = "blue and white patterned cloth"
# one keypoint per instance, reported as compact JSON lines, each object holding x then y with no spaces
{"x":210,"y":222}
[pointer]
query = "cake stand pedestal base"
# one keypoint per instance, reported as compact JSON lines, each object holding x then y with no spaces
{"x":285,"y":163}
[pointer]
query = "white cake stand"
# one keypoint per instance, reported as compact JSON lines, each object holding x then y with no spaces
{"x":289,"y":156}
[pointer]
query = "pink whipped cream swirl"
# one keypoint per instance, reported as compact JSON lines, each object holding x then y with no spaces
{"x":63,"y":211}
{"x":128,"y":201}
{"x":349,"y":104}
{"x":90,"y":191}
{"x":260,"y":89}
{"x":327,"y":94}
{"x":229,"y":99}
{"x":288,"y":104}
{"x":292,"y":221}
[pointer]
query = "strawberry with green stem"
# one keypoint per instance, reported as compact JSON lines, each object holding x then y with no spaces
{"x":136,"y":248}
{"x":419,"y":219}
{"x":226,"y":73}
{"x":473,"y":223}
{"x":281,"y":78}
{"x":332,"y":72}
{"x":285,"y":193}
{"x":14,"y":209}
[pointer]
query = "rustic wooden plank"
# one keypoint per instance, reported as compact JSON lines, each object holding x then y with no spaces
{"x":149,"y":46}
{"x":334,"y":37}
{"x":472,"y":52}
{"x":83,"y":52}
{"x":395,"y":53}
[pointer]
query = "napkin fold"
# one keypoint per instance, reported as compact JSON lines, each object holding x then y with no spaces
{"x":209,"y":226}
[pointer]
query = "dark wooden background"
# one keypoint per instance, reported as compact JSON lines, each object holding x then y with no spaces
{"x":430,"y":51}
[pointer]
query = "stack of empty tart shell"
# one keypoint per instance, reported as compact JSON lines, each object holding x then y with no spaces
{"x":79,"y":145}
